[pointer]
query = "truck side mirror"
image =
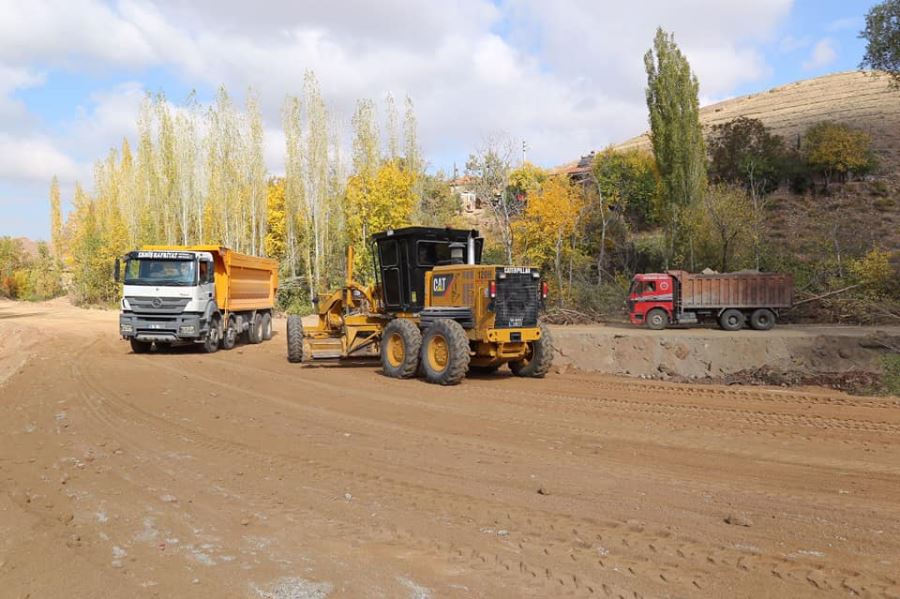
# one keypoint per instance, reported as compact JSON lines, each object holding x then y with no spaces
{"x":117,"y":267}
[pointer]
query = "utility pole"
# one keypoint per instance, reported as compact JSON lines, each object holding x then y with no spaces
{"x":524,"y":151}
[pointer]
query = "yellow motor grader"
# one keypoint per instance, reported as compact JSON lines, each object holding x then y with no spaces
{"x":434,"y":310}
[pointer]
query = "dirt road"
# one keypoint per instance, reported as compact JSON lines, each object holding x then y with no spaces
{"x":239,"y":475}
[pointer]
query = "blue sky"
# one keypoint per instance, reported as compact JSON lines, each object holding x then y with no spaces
{"x":565,"y":76}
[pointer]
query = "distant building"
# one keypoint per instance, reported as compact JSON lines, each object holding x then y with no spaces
{"x":578,"y":172}
{"x":470,"y":201}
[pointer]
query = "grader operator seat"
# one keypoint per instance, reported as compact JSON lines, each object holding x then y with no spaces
{"x":403,"y":256}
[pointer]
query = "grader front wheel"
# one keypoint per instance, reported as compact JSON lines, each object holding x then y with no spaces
{"x":445,"y":352}
{"x":400,"y":343}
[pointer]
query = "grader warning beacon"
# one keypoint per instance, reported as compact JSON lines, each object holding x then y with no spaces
{"x":434,"y":310}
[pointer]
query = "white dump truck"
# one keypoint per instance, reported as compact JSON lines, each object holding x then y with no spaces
{"x":202,"y":294}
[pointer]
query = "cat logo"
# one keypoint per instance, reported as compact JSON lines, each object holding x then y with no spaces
{"x":440,"y":284}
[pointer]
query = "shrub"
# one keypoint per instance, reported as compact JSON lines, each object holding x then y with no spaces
{"x":837,"y":150}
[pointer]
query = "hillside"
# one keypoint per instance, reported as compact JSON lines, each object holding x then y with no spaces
{"x":853,"y":98}
{"x":853,"y":216}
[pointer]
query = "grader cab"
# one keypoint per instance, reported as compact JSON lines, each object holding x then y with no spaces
{"x":434,"y":310}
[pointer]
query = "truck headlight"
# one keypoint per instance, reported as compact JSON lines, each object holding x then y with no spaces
{"x":126,"y":328}
{"x":187,"y":329}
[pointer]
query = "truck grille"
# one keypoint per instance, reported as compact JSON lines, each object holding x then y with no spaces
{"x":157,"y":305}
{"x":518,"y":300}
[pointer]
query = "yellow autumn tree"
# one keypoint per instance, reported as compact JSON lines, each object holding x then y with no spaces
{"x":276,"y":216}
{"x":375,"y":204}
{"x":548,"y":230}
{"x":55,"y":219}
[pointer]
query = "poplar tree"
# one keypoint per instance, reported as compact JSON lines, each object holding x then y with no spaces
{"x":393,"y":127}
{"x":675,"y":131}
{"x":55,"y":219}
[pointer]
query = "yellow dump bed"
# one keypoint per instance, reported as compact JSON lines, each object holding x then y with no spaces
{"x":242,"y":282}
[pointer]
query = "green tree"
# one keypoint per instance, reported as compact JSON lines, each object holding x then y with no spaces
{"x":723,"y":222}
{"x":526,"y":181}
{"x":631,"y":177}
{"x":882,"y":35}
{"x":834,"y":149}
{"x":438,"y":205}
{"x":11,"y":259}
{"x":744,"y":152}
{"x":675,"y":131}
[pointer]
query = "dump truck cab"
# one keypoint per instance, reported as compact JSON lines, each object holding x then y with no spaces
{"x":433,"y":310}
{"x":650,"y":291}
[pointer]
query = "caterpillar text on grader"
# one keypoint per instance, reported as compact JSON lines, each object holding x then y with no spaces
{"x":434,"y":310}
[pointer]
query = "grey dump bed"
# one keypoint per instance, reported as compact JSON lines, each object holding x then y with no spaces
{"x":735,"y":290}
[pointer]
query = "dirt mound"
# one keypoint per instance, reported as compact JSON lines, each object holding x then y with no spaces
{"x":847,"y":358}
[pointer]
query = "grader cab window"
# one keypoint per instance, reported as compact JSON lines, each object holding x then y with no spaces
{"x":390,"y":271}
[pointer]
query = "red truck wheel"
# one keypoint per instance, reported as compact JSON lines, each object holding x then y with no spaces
{"x":762,"y":319}
{"x":657,"y":319}
{"x":731,"y":320}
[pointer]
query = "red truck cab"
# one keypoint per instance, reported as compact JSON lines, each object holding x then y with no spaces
{"x":650,"y":291}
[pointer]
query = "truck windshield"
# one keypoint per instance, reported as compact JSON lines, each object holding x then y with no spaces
{"x":145,"y":271}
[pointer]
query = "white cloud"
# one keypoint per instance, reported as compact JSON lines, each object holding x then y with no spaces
{"x":822,"y":55}
{"x":33,"y":159}
{"x":69,"y":32}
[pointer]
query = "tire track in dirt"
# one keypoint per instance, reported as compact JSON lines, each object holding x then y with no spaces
{"x":696,"y":555}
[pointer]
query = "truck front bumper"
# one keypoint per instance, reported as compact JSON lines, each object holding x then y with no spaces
{"x":168,"y":329}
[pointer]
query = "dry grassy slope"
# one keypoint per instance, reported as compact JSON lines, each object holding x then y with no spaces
{"x":854,"y":98}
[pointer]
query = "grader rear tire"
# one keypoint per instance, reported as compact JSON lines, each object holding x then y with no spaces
{"x":295,"y":339}
{"x":538,"y":360}
{"x":400,"y":344}
{"x":445,"y":352}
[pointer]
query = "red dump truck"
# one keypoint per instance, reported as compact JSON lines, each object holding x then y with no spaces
{"x":676,"y":297}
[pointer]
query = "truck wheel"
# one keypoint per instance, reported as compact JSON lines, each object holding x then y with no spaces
{"x":254,"y":333}
{"x":657,"y":319}
{"x":140,"y":347}
{"x":267,"y":326}
{"x":295,"y":339}
{"x":231,"y":334}
{"x":762,"y":319}
{"x":538,"y":360}
{"x":445,"y":352}
{"x":401,"y":341}
{"x":213,"y":336}
{"x":731,"y":320}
